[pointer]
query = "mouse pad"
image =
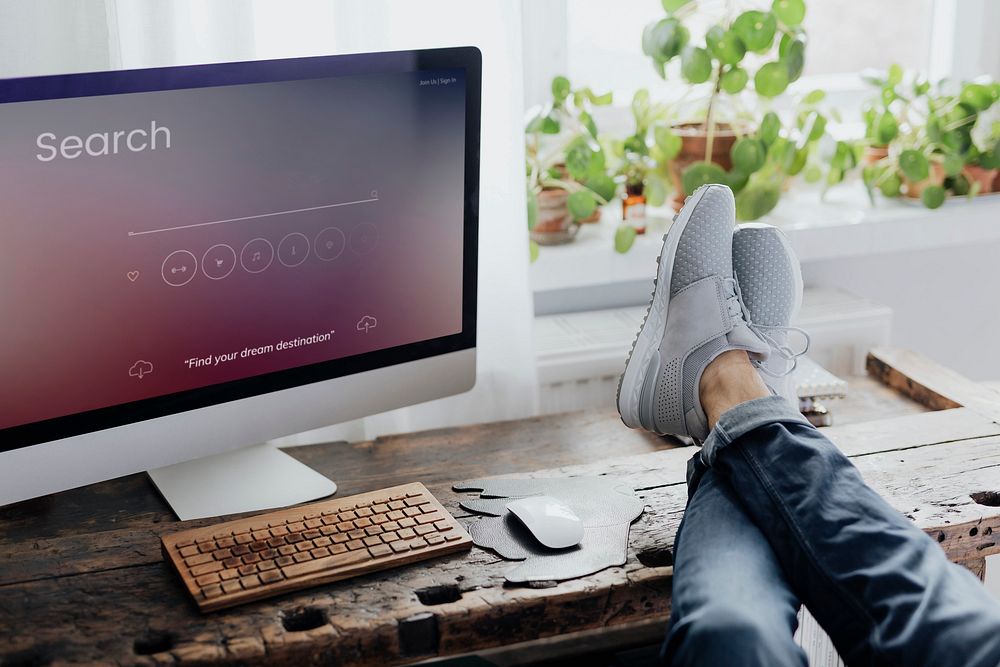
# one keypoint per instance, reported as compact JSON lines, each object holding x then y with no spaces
{"x":607,"y":509}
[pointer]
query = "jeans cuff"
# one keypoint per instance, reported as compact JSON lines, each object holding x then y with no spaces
{"x":744,"y":418}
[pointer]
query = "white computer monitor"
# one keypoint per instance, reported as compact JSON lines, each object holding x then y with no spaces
{"x":197,"y":259}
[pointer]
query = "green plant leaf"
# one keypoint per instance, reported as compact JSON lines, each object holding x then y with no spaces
{"x":960,"y":185}
{"x":581,"y":204}
{"x":914,"y":165}
{"x":671,"y":6}
{"x":756,"y":29}
{"x":771,"y":79}
{"x":701,"y":173}
{"x":734,"y":80}
{"x":532,"y":209}
{"x":725,"y":45}
{"x":696,"y":64}
{"x":795,"y":59}
{"x":814,"y":97}
{"x":748,"y":154}
{"x":602,"y":185}
{"x":600,"y":100}
{"x":891,"y":185}
{"x":952,"y":164}
{"x":624,"y":238}
{"x":560,"y":89}
{"x":789,"y":12}
{"x":737,"y":179}
{"x":664,"y":39}
{"x":812,"y":174}
{"x":668,"y":142}
{"x":976,"y":95}
{"x":578,"y":159}
{"x":932,"y":196}
{"x":886,"y":128}
{"x":588,"y":122}
{"x":770,"y":128}
{"x":532,"y":251}
{"x":656,"y":190}
{"x":757,"y":200}
{"x":895,"y":75}
{"x":817,"y":126}
{"x":550,"y":125}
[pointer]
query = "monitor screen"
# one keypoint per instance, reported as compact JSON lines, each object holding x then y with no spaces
{"x":180,"y":237}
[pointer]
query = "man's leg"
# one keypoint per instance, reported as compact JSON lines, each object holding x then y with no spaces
{"x":882,"y":589}
{"x":731,"y":604}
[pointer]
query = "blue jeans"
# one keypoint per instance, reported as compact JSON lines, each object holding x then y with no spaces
{"x":777,"y":515}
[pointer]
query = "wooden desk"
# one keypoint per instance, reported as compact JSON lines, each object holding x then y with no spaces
{"x":82,"y":579}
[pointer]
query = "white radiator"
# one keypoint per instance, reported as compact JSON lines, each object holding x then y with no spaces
{"x":581,"y":355}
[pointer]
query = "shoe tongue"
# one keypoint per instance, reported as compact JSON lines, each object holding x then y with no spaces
{"x":742,"y":337}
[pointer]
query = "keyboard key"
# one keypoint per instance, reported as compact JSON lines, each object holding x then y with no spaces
{"x":184,"y":543}
{"x":240,"y":550}
{"x":310,"y":515}
{"x":328,"y":530}
{"x":226,"y":542}
{"x":363,"y":522}
{"x":434,"y":539}
{"x":372,"y":530}
{"x":395,"y":515}
{"x":296,"y":527}
{"x":311,"y":534}
{"x":328,"y":563}
{"x":253,"y":581}
{"x":338,"y":549}
{"x":356,"y":534}
{"x":314,"y":523}
{"x":407,"y":522}
{"x":268,"y":554}
{"x":206,"y":568}
{"x":222,"y":554}
{"x":323,"y":542}
{"x":231,"y":586}
{"x":397,"y":505}
{"x":406,"y":533}
{"x":284,"y":560}
{"x":261,"y":534}
{"x":287,"y":550}
{"x":354,"y":545}
{"x":340,"y":538}
{"x":451,"y":537}
{"x":390,"y":526}
{"x":430,"y":518}
{"x":423,"y":530}
{"x":187,"y":552}
{"x":380,"y":508}
{"x":259,"y":546}
{"x":232,"y":562}
{"x":390,"y":537}
{"x":246,"y":569}
{"x":304,"y":546}
{"x":206,"y":579}
{"x":278,"y":531}
{"x":418,"y":543}
{"x":380,"y":550}
{"x":212,"y":591}
{"x":379,"y":518}
{"x":320,"y":552}
{"x":198,"y":560}
{"x":251,"y":558}
{"x":399,"y":546}
{"x":276,"y":542}
{"x":372,"y":541}
{"x":443,"y":525}
{"x":345,"y":526}
{"x":302,"y":557}
{"x":412,"y":494}
{"x":226,"y":575}
{"x":347,"y":516}
{"x":243,"y":539}
{"x":271,"y":576}
{"x":266,"y":565}
{"x":294,"y":539}
{"x":329,"y":520}
{"x":364,"y":511}
{"x":416,"y":502}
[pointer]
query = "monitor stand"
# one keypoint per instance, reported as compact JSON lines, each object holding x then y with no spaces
{"x":245,"y":480}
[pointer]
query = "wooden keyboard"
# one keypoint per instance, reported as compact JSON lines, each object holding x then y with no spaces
{"x":248,"y":559}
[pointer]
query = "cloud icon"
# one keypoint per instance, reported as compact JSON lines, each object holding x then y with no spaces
{"x":139,"y":369}
{"x":367,"y":322}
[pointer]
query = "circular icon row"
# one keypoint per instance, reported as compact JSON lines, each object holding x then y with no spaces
{"x":180,"y":266}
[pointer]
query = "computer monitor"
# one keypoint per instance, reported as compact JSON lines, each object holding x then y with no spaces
{"x":196,"y":259}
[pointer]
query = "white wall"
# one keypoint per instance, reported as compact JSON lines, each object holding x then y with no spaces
{"x":945,"y":302}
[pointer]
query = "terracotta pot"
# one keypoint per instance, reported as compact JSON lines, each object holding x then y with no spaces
{"x":694,"y":141}
{"x":913,"y":190}
{"x":554,"y":225}
{"x":873,"y":154}
{"x":987,"y":178}
{"x":996,"y":182}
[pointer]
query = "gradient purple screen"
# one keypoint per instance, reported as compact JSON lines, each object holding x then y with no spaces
{"x":286,"y":224}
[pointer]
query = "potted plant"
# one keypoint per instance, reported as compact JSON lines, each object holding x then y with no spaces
{"x":920,"y":141}
{"x":567,"y":175}
{"x":759,"y":49}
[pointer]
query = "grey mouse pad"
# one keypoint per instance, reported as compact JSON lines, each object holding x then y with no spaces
{"x":607,"y":508}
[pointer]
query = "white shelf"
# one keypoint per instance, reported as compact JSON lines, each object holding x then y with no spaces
{"x":845,"y":225}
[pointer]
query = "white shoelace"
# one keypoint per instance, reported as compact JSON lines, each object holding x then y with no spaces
{"x":738,"y":310}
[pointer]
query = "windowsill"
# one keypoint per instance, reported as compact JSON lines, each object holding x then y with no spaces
{"x":845,"y":225}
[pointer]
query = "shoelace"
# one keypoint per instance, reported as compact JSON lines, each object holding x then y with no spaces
{"x":738,"y":310}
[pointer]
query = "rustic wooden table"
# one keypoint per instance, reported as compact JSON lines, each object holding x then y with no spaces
{"x":82,"y":579}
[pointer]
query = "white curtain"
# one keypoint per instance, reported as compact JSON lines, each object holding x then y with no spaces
{"x":56,"y":36}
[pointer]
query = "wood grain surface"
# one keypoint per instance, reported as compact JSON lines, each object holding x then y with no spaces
{"x":82,"y":579}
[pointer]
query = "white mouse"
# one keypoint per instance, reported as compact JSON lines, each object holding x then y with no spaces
{"x":550,"y":520}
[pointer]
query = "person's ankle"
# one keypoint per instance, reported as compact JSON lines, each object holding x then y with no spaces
{"x":730,"y":379}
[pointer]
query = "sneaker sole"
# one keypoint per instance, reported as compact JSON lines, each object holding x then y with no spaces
{"x":647,"y":341}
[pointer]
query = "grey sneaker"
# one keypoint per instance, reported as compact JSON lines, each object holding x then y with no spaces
{"x":695,"y":315}
{"x":770,"y":281}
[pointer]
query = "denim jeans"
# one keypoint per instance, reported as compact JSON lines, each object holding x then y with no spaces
{"x":777,"y":515}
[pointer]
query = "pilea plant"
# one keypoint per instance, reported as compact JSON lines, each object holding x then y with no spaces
{"x":758,"y":49}
{"x":926,"y":143}
{"x":565,"y":163}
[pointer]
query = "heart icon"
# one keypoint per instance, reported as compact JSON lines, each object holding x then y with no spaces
{"x":133,"y":275}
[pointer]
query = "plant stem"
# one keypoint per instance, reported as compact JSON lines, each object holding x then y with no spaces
{"x":710,"y":115}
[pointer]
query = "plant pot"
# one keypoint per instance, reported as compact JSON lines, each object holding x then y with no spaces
{"x":987,"y":178}
{"x":873,"y":154}
{"x":694,"y":141}
{"x":554,"y":224}
{"x":913,"y":190}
